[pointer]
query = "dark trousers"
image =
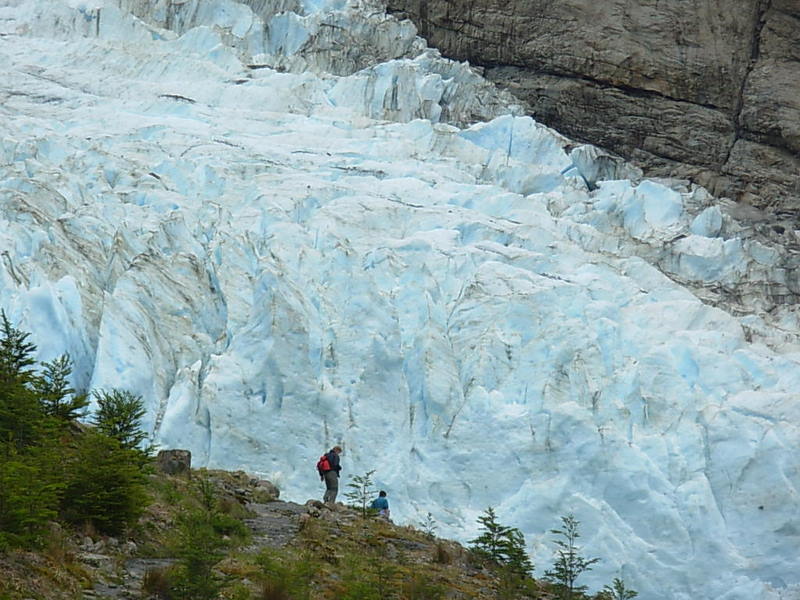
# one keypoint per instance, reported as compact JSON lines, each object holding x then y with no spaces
{"x":331,"y":486}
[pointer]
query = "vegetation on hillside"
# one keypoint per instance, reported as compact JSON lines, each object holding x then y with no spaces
{"x":51,"y":467}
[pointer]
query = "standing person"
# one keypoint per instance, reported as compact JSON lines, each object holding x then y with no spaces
{"x":328,"y":468}
{"x":381,"y":504}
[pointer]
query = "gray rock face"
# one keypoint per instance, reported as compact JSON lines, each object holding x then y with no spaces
{"x":706,"y":90}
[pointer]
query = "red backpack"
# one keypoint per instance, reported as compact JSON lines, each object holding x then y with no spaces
{"x":323,"y":464}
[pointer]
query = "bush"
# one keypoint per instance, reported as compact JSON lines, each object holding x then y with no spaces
{"x":502,"y":545}
{"x":28,"y":500}
{"x":419,"y":587}
{"x":616,"y":591}
{"x":104,"y":485}
{"x":57,"y":398}
{"x":286,"y":579}
{"x":23,"y":422}
{"x":157,"y":583}
{"x":361,"y":492}
{"x":569,"y":563}
{"x":199,"y":548}
{"x":202,"y":537}
{"x":118,"y":416}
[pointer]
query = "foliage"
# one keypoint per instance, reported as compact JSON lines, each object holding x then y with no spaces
{"x":361,"y":492}
{"x":56,"y":396}
{"x":286,"y":579}
{"x":502,"y":545}
{"x":203,"y":537}
{"x":357,"y":582}
{"x":104,"y":485}
{"x":157,"y":583}
{"x":22,"y":420}
{"x":16,"y":352}
{"x":616,"y":591}
{"x":428,"y":525}
{"x":569,"y":564}
{"x":28,"y":500}
{"x":420,"y":587}
{"x":47,"y":469}
{"x":119,"y":415}
{"x":199,"y":548}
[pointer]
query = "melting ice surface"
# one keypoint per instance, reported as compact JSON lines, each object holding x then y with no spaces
{"x":263,"y":219}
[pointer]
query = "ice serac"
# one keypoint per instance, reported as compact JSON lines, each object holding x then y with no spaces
{"x":283,"y":241}
{"x":706,"y":90}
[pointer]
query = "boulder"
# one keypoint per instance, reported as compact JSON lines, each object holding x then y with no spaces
{"x":265,"y":491}
{"x":174,"y":462}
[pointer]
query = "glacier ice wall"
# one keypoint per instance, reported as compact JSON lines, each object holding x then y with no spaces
{"x":288,"y":224}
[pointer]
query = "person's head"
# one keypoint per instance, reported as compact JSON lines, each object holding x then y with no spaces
{"x":337,"y":449}
{"x":382,"y":494}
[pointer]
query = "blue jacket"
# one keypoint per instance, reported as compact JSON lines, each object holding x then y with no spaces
{"x":333,"y":460}
{"x":380,"y":503}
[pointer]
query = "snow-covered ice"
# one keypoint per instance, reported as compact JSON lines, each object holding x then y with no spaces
{"x":289,"y":224}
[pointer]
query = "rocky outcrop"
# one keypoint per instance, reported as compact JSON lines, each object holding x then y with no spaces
{"x":705,"y":90}
{"x":174,"y":462}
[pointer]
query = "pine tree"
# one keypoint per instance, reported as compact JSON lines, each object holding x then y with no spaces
{"x":617,"y":591}
{"x":105,"y":485}
{"x":119,"y":415}
{"x":28,"y":499}
{"x":58,"y":399}
{"x":22,"y":420}
{"x":569,"y":564}
{"x":492,"y":541}
{"x":361,"y":491}
{"x":502,"y":545}
{"x":16,"y":352}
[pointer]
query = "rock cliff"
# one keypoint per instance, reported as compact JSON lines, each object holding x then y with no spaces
{"x":706,"y":90}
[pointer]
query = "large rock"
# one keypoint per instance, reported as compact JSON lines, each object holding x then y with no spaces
{"x":706,"y":90}
{"x":174,"y":462}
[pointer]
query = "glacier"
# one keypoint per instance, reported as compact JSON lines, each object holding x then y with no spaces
{"x":289,"y":224}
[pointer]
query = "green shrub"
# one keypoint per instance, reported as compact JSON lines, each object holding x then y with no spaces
{"x":569,"y":564}
{"x":203,"y":537}
{"x":28,"y":500}
{"x":616,"y":591}
{"x":104,"y":485}
{"x":361,"y":492}
{"x":119,"y":415}
{"x":501,"y":544}
{"x":285,"y":577}
{"x":23,"y":422}
{"x":420,"y":587}
{"x":57,"y":398}
{"x":157,"y":583}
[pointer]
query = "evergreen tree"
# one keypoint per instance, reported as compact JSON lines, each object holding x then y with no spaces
{"x":361,"y":491}
{"x":502,"y":545}
{"x":569,"y":564}
{"x":118,"y":415}
{"x":492,"y":541}
{"x":203,"y":536}
{"x":616,"y":591}
{"x":428,"y":526}
{"x":28,"y":499}
{"x":104,"y":484}
{"x":58,"y":399}
{"x":22,"y":420}
{"x":16,"y":352}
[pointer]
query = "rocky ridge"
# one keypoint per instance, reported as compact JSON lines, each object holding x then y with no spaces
{"x":90,"y":566}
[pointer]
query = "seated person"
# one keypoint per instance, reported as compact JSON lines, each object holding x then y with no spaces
{"x":381,"y":504}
